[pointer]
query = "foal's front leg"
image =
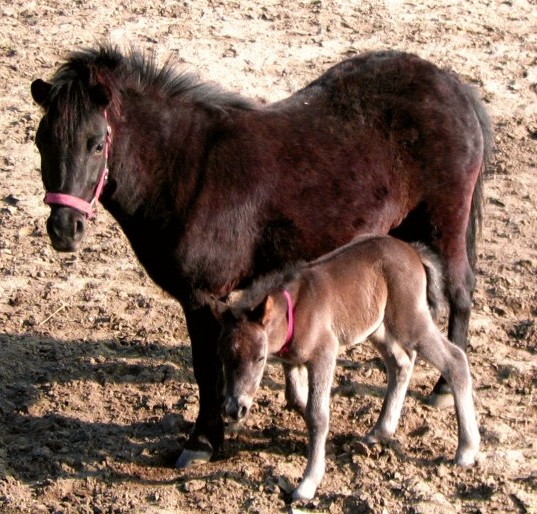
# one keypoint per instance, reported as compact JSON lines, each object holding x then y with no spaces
{"x":296,"y":387}
{"x":320,"y":376}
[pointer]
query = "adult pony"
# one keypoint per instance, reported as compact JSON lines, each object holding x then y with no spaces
{"x":213,"y":190}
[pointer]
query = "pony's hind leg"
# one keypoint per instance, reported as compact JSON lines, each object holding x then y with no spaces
{"x":452,"y":363}
{"x":399,"y":366}
{"x":456,"y":247}
{"x":296,"y":387}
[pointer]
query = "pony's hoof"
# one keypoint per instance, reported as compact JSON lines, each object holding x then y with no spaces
{"x":192,"y":457}
{"x":441,"y":401}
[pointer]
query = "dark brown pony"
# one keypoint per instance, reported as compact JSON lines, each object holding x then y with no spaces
{"x":378,"y":288}
{"x":213,"y":190}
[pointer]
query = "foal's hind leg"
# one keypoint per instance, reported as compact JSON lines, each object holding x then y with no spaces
{"x":399,"y":364}
{"x":460,"y":287}
{"x":452,"y":362}
{"x":296,"y":387}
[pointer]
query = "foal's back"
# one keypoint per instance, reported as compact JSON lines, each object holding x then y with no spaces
{"x":359,"y":286}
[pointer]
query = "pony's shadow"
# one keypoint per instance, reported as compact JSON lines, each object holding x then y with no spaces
{"x":41,"y":446}
{"x":48,"y":445}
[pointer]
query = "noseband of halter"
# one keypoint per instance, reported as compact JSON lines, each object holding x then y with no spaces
{"x":79,"y":204}
{"x":290,"y":325}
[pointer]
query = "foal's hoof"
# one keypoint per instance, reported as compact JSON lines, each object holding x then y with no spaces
{"x":304,"y":492}
{"x":441,"y":401}
{"x":465,"y":460}
{"x":465,"y":457}
{"x":193,"y":457}
{"x":376,"y":436}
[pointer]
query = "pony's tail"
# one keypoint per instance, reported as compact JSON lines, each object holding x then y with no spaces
{"x":435,"y":279}
{"x":476,"y":210}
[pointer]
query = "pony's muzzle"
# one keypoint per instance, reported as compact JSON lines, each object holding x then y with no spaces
{"x":66,"y":228}
{"x":236,"y":409}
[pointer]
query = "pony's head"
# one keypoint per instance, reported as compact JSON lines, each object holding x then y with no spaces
{"x":73,"y":138}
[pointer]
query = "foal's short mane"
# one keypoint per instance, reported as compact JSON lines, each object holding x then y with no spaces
{"x":104,"y":72}
{"x":246,"y":299}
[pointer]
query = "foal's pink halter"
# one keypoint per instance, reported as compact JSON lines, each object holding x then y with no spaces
{"x":290,"y":325}
{"x":79,"y":204}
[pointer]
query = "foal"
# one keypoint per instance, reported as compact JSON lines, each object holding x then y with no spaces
{"x":376,"y":287}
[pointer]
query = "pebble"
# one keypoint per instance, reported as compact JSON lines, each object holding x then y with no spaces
{"x":194,"y":485}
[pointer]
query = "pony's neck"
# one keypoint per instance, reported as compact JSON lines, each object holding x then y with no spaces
{"x":152,"y":161}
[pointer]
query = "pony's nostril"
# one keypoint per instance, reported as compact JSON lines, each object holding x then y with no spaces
{"x":79,"y":228}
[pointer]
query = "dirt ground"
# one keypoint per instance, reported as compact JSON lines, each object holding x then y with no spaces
{"x":97,"y":395}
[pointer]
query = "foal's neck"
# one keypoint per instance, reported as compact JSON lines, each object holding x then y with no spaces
{"x":281,"y":336}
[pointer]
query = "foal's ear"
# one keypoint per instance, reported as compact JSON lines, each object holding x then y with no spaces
{"x":218,"y":308}
{"x":40,"y":91}
{"x":263,"y":312}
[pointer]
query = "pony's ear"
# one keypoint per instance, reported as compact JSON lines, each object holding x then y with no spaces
{"x":99,"y":95}
{"x":263,"y":312}
{"x":40,"y":91}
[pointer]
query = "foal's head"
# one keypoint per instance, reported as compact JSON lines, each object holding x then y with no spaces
{"x":243,"y":349}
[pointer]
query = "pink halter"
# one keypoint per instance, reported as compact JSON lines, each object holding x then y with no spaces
{"x":290,"y":325}
{"x":79,"y":204}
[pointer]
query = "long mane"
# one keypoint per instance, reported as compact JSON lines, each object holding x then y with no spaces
{"x":106,"y":70}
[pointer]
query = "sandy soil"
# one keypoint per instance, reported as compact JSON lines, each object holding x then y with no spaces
{"x":96,"y":389}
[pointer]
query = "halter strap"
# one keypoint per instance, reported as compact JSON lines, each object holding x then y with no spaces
{"x":79,"y":204}
{"x":290,"y":325}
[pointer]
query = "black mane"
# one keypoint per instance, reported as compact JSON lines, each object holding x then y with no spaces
{"x":89,"y":74}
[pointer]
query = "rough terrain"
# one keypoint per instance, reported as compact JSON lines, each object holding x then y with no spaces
{"x":96,"y":389}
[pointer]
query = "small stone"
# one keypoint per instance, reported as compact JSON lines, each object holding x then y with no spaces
{"x":194,"y":485}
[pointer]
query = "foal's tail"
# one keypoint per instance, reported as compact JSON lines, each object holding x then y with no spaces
{"x":435,"y":279}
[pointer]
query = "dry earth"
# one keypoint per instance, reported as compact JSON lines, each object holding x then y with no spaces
{"x":96,"y":390}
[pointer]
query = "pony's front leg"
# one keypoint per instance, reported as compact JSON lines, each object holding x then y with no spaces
{"x":208,"y":434}
{"x":320,"y":376}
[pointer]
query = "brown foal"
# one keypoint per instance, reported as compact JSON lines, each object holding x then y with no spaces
{"x":375,"y":287}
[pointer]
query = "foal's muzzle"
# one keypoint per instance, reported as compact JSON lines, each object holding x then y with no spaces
{"x":236,"y":408}
{"x":66,"y":227}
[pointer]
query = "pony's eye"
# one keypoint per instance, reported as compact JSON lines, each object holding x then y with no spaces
{"x":99,"y":148}
{"x":260,"y":359}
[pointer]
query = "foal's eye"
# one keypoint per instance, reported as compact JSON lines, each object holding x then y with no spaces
{"x":259,"y":360}
{"x":99,"y":148}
